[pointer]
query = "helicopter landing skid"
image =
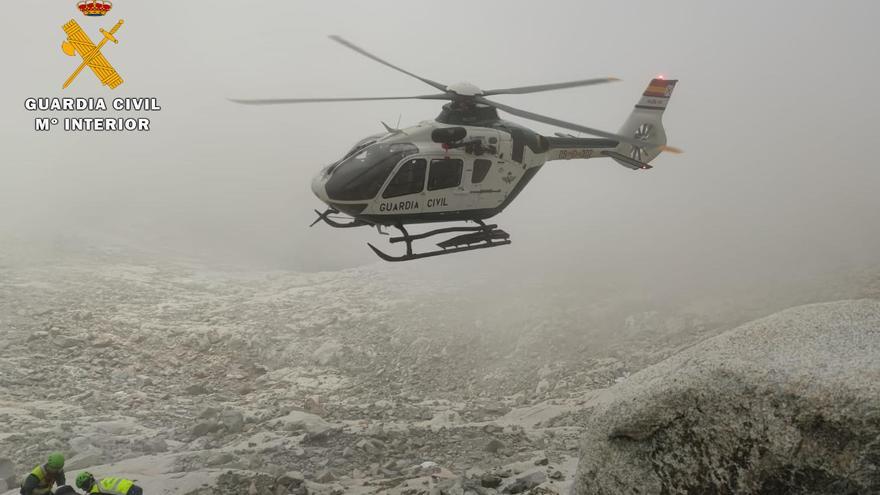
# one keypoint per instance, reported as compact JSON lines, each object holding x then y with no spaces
{"x":325,"y":217}
{"x":484,"y":236}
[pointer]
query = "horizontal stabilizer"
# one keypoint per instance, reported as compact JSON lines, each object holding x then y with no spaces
{"x":630,"y":163}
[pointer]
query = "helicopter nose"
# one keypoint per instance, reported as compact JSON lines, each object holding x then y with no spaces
{"x":318,"y":186}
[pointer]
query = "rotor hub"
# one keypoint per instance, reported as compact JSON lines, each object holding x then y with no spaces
{"x":464,"y":89}
{"x":458,"y":114}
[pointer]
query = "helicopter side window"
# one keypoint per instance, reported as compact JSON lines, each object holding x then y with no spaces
{"x":360,"y":176}
{"x":410,"y":179}
{"x":445,"y":173}
{"x":481,"y":168}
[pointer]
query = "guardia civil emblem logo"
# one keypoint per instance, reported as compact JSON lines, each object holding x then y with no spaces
{"x":79,"y":43}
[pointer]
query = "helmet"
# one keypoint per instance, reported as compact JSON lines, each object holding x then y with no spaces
{"x":84,"y":479}
{"x":56,"y":461}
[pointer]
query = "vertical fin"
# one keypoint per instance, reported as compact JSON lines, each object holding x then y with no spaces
{"x":645,"y":123}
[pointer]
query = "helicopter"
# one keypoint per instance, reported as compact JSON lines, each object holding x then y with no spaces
{"x":466,"y":165}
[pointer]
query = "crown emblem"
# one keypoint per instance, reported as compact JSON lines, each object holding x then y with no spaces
{"x":94,"y":8}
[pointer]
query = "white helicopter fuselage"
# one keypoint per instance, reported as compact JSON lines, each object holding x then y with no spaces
{"x":468,"y":165}
{"x":452,"y":182}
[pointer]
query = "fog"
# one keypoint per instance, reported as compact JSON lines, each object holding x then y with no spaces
{"x":644,"y":328}
{"x":774,"y":110}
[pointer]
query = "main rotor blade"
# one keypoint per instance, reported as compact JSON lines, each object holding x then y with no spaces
{"x":276,"y":101}
{"x":549,"y":87}
{"x":574,"y":127}
{"x":346,"y":43}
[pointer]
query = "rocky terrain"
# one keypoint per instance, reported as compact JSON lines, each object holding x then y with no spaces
{"x":380,"y":379}
{"x":785,"y":404}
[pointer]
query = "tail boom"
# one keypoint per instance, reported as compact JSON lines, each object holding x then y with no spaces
{"x":644,"y":124}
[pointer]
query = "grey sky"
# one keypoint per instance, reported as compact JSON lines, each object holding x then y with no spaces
{"x":775,"y":109}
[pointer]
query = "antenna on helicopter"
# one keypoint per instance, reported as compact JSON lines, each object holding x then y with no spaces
{"x":392,"y":130}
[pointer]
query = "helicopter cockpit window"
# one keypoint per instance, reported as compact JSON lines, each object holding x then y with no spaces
{"x":361,"y":175}
{"x":410,"y":179}
{"x":445,"y":172}
{"x":363,"y":143}
{"x":481,"y":168}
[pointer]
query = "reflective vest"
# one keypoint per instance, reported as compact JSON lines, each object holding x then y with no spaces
{"x":112,"y":486}
{"x":46,"y":480}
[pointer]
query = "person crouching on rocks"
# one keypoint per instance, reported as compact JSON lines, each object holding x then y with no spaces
{"x":42,"y":477}
{"x":107,"y":486}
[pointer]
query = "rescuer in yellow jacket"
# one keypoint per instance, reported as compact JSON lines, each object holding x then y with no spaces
{"x":42,"y":477}
{"x":107,"y":486}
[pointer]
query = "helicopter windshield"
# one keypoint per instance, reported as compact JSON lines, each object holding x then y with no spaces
{"x":361,"y":175}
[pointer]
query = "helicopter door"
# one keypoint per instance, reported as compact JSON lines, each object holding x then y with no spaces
{"x":480,"y":179}
{"x":446,"y":189}
{"x":480,"y":182}
{"x":406,"y":189}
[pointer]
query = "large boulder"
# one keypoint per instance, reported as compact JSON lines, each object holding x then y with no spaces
{"x":300,"y":421}
{"x":330,"y":352}
{"x":786,"y":404}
